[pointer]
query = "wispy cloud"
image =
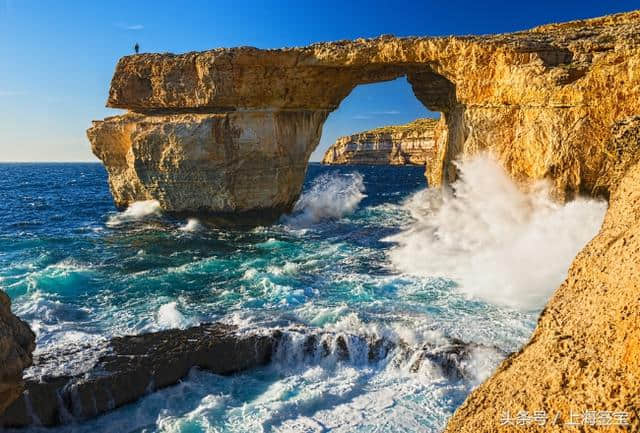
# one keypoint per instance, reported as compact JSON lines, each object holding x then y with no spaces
{"x":127,"y":26}
{"x":372,"y":114}
{"x":386,"y":113}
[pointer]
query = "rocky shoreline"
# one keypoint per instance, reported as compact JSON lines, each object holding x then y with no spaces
{"x":409,"y":144}
{"x":556,"y":103}
{"x":17,"y":343}
{"x":131,"y":367}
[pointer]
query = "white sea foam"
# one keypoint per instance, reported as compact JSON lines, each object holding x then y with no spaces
{"x":330,"y":197}
{"x":498,"y":243}
{"x":169,"y":317}
{"x":136,"y":211}
{"x":192,"y":225}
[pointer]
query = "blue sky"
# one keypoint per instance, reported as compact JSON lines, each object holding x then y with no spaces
{"x":58,"y":57}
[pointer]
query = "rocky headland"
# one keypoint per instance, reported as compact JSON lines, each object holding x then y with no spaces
{"x":230,"y":131}
{"x":556,"y":102}
{"x":408,"y":144}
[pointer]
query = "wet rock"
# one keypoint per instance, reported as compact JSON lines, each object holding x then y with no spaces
{"x":127,"y":368}
{"x":453,"y":358}
{"x":132,"y":367}
{"x":17,"y":343}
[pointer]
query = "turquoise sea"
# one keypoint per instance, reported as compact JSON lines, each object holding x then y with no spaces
{"x":362,"y":253}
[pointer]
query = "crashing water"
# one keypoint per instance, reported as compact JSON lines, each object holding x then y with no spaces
{"x":497,"y":242}
{"x":79,"y":272}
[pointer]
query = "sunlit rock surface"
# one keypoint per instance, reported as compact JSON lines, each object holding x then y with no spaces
{"x":584,"y":355}
{"x":555,"y":102}
{"x":411,"y":143}
{"x":231,"y":130}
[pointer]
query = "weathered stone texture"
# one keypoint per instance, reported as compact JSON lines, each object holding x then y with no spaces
{"x":543,"y":101}
{"x":17,"y":342}
{"x":132,"y":367}
{"x":585,"y":352}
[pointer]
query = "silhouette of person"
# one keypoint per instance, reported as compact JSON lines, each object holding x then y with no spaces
{"x":137,"y":48}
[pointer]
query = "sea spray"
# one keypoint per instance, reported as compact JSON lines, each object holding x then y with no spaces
{"x":331,"y":196}
{"x":498,"y":243}
{"x":192,"y":225}
{"x":169,"y":316}
{"x":136,"y":211}
{"x":329,"y":276}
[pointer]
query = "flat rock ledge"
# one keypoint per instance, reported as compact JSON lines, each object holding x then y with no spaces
{"x":131,"y":367}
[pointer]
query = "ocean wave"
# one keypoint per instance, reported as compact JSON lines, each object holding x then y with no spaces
{"x":170,"y":317}
{"x":136,"y":211}
{"x":498,"y":243}
{"x":331,"y":196}
{"x":193,"y":225}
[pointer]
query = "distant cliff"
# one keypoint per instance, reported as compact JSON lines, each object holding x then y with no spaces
{"x":411,"y":143}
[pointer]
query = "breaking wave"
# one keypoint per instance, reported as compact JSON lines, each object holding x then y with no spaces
{"x":498,"y":243}
{"x":135,"y":212}
{"x":192,"y":225}
{"x":169,"y":317}
{"x":331,"y":196}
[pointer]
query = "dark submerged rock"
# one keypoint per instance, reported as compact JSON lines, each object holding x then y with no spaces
{"x":127,"y":368}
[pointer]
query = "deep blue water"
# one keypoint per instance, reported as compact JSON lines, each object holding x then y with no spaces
{"x":78,"y":270}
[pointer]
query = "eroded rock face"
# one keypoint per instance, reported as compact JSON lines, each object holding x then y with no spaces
{"x":411,"y":143}
{"x":585,"y":352}
{"x":250,"y":161}
{"x":543,"y":101}
{"x":17,"y":342}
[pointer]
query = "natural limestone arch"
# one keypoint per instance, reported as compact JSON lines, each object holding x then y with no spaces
{"x":230,"y":131}
{"x":243,"y":161}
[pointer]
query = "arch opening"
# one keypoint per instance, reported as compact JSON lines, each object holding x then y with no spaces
{"x":435,"y":95}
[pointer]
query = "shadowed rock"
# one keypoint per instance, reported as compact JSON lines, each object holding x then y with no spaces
{"x":132,"y":367}
{"x":17,"y":342}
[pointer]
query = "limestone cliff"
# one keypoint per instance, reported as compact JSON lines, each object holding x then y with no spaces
{"x":585,"y":352}
{"x":411,"y":143}
{"x":231,"y":130}
{"x":17,"y":342}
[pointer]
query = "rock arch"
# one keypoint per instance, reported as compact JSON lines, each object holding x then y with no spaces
{"x":230,"y":131}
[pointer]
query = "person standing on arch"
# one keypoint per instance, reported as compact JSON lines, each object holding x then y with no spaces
{"x":136,"y":47}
